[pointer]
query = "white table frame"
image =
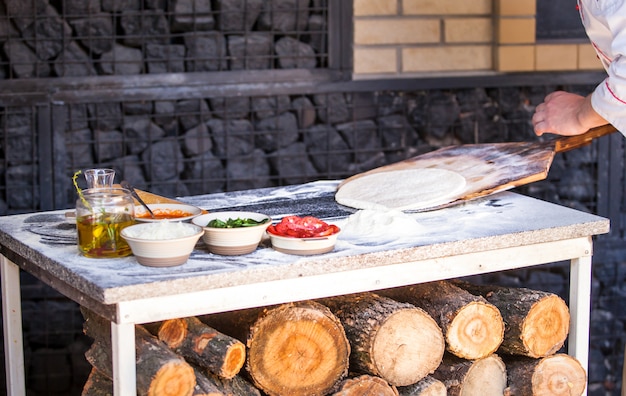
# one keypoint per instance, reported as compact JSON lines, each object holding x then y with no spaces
{"x":578,"y":250}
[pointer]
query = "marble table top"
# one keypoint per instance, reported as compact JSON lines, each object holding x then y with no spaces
{"x":45,"y":243}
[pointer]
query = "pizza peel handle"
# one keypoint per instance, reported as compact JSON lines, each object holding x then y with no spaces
{"x":574,"y":142}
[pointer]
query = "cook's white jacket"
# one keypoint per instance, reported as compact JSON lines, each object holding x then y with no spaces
{"x":605,"y":24}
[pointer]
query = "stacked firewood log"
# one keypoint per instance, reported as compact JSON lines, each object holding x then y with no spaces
{"x":434,"y":339}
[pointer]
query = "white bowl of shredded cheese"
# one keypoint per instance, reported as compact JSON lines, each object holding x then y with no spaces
{"x":162,"y":244}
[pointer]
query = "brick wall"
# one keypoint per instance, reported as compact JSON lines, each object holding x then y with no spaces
{"x":412,"y":37}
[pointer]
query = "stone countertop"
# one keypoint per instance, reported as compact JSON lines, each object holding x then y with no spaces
{"x":46,"y":242}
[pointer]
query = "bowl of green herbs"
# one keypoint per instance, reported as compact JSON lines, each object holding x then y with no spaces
{"x":232,"y":233}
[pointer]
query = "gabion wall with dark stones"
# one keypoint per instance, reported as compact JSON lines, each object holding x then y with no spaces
{"x":184,"y":146}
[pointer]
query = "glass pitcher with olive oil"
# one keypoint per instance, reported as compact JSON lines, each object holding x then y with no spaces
{"x":101,"y":214}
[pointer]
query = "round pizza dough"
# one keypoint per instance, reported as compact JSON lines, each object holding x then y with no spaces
{"x":409,"y":189}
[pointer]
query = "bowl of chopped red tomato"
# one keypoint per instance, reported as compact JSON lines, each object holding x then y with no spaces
{"x":306,"y":235}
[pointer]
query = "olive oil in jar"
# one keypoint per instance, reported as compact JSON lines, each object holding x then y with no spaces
{"x":101,"y":215}
{"x":99,"y":235}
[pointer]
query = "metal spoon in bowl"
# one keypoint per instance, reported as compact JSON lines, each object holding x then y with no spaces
{"x":130,"y":188}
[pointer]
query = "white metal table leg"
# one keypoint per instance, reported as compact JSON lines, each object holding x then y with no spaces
{"x":12,"y":319}
{"x":123,"y":351}
{"x":580,"y":309}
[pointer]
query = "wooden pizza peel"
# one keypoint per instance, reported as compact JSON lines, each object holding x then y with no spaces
{"x":493,"y":167}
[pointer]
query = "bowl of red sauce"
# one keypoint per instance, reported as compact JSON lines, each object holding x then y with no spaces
{"x":167,"y":212}
{"x":303,"y":236}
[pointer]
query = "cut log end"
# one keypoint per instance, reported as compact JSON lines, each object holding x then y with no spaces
{"x":366,"y":385}
{"x":476,"y":331}
{"x":176,"y":378}
{"x":546,"y":326}
{"x":298,"y":350}
{"x":559,"y":375}
{"x":555,"y":375}
{"x":486,"y":376}
{"x":408,"y":346}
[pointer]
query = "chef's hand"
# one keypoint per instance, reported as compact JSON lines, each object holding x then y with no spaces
{"x":565,"y":113}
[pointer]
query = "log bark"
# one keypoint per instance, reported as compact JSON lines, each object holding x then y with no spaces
{"x":555,"y":375}
{"x":206,"y":383}
{"x":203,"y":346}
{"x":537,"y":321}
{"x":366,"y":385}
{"x":160,"y":371}
{"x":97,"y":384}
{"x":484,"y":377}
{"x":473,"y":327}
{"x":293,"y":349}
{"x":427,"y":386}
{"x":395,"y":341}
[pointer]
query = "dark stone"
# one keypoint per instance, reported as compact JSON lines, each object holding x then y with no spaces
{"x":47,"y":35}
{"x":165,"y":58}
{"x":268,"y":106}
{"x":108,"y":145}
{"x":20,"y":192}
{"x":129,"y":168}
{"x":191,"y":15}
{"x":237,"y":16}
{"x":246,"y":172}
{"x":317,"y":33}
{"x":163,"y":160}
{"x":597,"y":370}
{"x":80,"y":8}
{"x":76,"y":117}
{"x":170,"y":188}
{"x":192,"y":112}
{"x":24,"y":61}
{"x":25,"y":12}
{"x":140,"y":132}
{"x":294,"y":54}
{"x":17,"y":117}
{"x":206,"y":51}
{"x":362,"y":106}
{"x":7,"y":30}
{"x":196,"y":141}
{"x":73,"y":62}
{"x":144,"y":27}
{"x":331,"y":108}
{"x":79,"y":146}
{"x":292,"y":164}
{"x":443,"y":111}
{"x":204,"y":174}
{"x":305,"y":111}
{"x":164,"y":111}
{"x":578,"y":185}
{"x":285,"y":16}
{"x":19,"y":145}
{"x":120,"y":5}
{"x":398,"y":137}
{"x":231,"y":108}
{"x":232,"y":138}
{"x":252,"y":51}
{"x":277,"y":132}
{"x":105,"y":116}
{"x":603,"y":325}
{"x":328,"y":151}
{"x":361,"y":137}
{"x":95,"y":32}
{"x":144,"y":107}
{"x":548,"y":281}
{"x":122,"y":60}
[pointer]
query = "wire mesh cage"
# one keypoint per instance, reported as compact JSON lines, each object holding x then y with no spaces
{"x":71,"y":38}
